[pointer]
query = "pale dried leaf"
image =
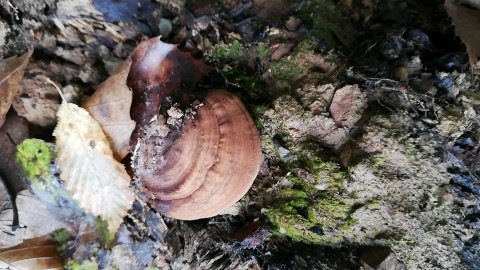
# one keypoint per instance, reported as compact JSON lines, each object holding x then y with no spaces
{"x":110,"y":106}
{"x":95,"y":179}
{"x":33,"y":254}
{"x":35,"y":218}
{"x":467,"y":25}
{"x":11,"y":73}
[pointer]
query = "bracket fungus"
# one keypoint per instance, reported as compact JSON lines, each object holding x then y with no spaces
{"x":196,"y":153}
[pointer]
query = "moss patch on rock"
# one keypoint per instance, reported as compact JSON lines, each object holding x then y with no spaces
{"x":311,"y":206}
{"x":35,"y":157}
{"x":85,"y":265}
{"x":231,"y":61}
{"x":251,"y":68}
{"x":327,"y":21}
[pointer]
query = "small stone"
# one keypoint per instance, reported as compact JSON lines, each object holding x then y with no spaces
{"x":164,"y":27}
{"x":317,"y":229}
{"x":292,"y":23}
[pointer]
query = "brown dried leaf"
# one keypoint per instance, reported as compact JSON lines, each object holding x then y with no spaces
{"x":17,"y":128}
{"x":467,"y":25}
{"x":11,"y":73}
{"x":37,"y":101}
{"x":33,"y":254}
{"x":95,"y":179}
{"x":347,"y":106}
{"x":4,"y":197}
{"x":36,"y":219}
{"x":110,"y":106}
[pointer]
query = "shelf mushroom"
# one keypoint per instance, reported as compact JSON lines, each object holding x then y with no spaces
{"x":202,"y":155}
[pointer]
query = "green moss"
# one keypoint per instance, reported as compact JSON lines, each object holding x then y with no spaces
{"x":473,"y":96}
{"x":232,"y":52}
{"x":85,"y":265}
{"x":260,"y":110}
{"x":230,"y":61}
{"x":285,"y":70}
{"x":34,"y":157}
{"x":302,"y":208}
{"x":290,"y":67}
{"x":105,"y":236}
{"x":411,"y":150}
{"x":378,"y":160}
{"x":263,"y":51}
{"x":61,"y":237}
{"x":326,"y":21}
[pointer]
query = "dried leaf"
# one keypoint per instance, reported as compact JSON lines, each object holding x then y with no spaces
{"x":347,"y":106}
{"x":14,"y":130}
{"x":4,"y":197}
{"x":94,"y":178}
{"x":33,"y":254}
{"x":110,"y":106}
{"x":36,"y":219}
{"x":37,"y":101}
{"x":11,"y":73}
{"x":17,"y":128}
{"x":467,"y":25}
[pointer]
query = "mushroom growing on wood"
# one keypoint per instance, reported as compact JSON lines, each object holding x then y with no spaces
{"x":202,"y":154}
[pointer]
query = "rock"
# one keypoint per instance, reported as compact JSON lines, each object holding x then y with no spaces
{"x":347,"y":106}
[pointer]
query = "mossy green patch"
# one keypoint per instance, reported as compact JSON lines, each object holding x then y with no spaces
{"x":288,"y":68}
{"x":411,"y":149}
{"x":34,"y":157}
{"x":232,"y":52}
{"x":285,"y":70}
{"x":105,"y":236}
{"x":231,"y":63}
{"x":263,"y":51}
{"x":61,"y":237}
{"x":378,"y":160}
{"x":85,"y":265}
{"x":326,"y":21}
{"x":311,"y":208}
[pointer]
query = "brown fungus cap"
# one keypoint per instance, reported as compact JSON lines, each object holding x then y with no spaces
{"x":158,"y":69}
{"x":190,"y":163}
{"x":211,"y":165}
